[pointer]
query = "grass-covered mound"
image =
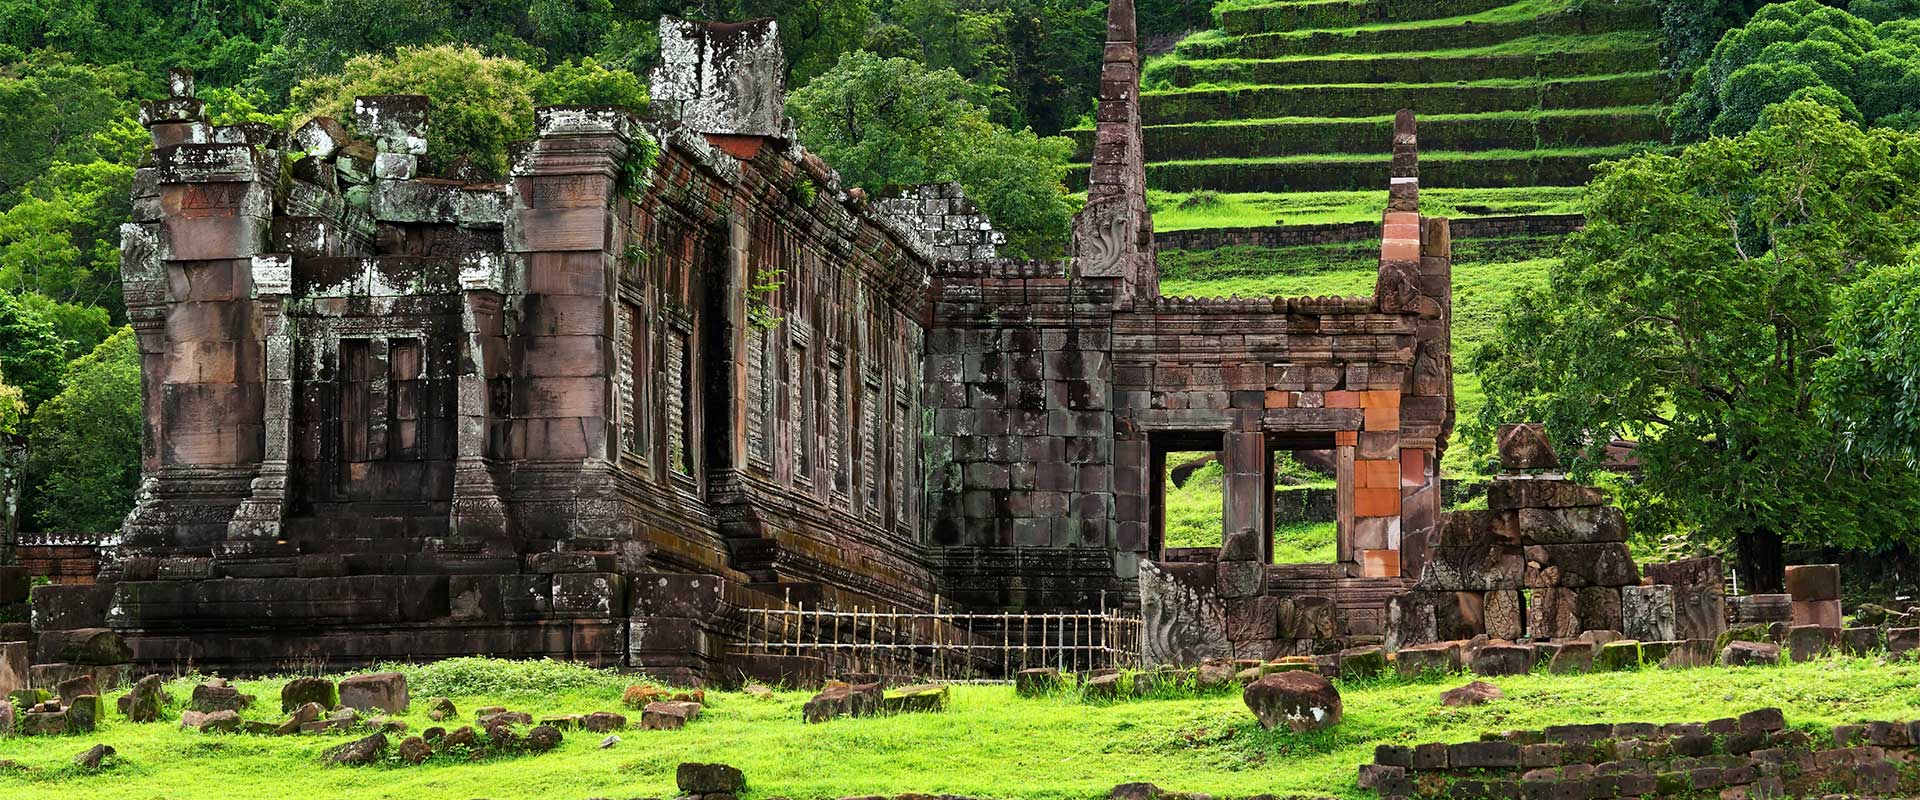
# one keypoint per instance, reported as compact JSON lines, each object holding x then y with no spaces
{"x":988,"y":744}
{"x":1286,"y":97}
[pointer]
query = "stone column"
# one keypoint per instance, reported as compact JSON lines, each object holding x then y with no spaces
{"x":561,"y":225}
{"x":201,"y":215}
{"x":255,"y":527}
{"x":479,"y":515}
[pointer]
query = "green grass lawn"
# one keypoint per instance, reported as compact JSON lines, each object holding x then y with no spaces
{"x":988,"y":744}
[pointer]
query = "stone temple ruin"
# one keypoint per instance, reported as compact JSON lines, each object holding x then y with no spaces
{"x":667,"y":370}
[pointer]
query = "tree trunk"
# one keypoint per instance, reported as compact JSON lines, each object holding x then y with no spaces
{"x":1762,"y":561}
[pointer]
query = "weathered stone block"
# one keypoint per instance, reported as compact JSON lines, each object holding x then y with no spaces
{"x":87,"y":646}
{"x":1809,"y":582}
{"x":1691,"y":653}
{"x":1473,"y":568}
{"x":382,"y":691}
{"x":1503,"y":616}
{"x":1514,"y":492}
{"x":1620,"y":655}
{"x":301,"y":691}
{"x":1571,"y":657}
{"x":1496,"y":660}
{"x":1808,"y":642}
{"x":1577,"y":525}
{"x":1577,"y":565}
{"x":1750,"y":654}
{"x":1301,"y":701}
{"x":1647,"y":613}
{"x":1413,"y":662}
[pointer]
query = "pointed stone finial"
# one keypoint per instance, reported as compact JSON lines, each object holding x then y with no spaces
{"x":1403,"y":190}
{"x":179,"y":82}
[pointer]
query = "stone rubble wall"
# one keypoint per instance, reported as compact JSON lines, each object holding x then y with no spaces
{"x":1753,"y":756}
{"x":950,"y":223}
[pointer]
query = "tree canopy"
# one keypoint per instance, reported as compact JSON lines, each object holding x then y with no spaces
{"x":893,"y":122}
{"x":1803,"y":49}
{"x":83,"y":449}
{"x":1693,"y":313}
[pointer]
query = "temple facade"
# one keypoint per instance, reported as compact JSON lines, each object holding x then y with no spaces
{"x":671,"y":368}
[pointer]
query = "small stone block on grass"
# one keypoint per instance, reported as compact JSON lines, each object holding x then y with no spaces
{"x":1617,"y":655}
{"x":380,"y":691}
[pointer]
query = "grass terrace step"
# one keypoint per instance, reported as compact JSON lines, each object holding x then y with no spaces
{"x":1498,"y":131}
{"x":1639,"y":56}
{"x":1360,"y":100}
{"x":1569,"y":167}
{"x":1243,"y":18}
{"x":1470,"y":31}
{"x":1173,"y":211}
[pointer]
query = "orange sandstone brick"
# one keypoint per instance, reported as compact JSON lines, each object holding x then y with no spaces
{"x":1377,"y":474}
{"x":1380,"y":563}
{"x":1343,"y":399}
{"x":1376,"y":502}
{"x":1383,"y":419}
{"x":1380,"y":398}
{"x":1346,"y":438}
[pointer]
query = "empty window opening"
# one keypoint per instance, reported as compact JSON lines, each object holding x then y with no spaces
{"x":1305,"y":507}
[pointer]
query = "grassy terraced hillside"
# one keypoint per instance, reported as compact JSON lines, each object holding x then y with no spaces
{"x":1297,"y":96}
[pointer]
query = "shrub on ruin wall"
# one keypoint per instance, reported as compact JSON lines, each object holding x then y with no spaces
{"x":480,"y":103}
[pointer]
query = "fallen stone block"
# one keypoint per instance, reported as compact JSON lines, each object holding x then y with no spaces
{"x":1808,"y":642}
{"x":382,"y":691}
{"x":93,"y":758}
{"x":1037,"y":682}
{"x":1442,"y":658}
{"x":1473,"y":694}
{"x":602,"y":722}
{"x":1502,"y":659}
{"x":147,"y":702}
{"x":301,"y":691}
{"x":843,"y":700}
{"x":358,"y":753}
{"x":1363,"y":662}
{"x":1571,"y":658}
{"x":1750,"y":654}
{"x":704,"y":779}
{"x":667,"y":715}
{"x":217,"y":695}
{"x":911,"y":699}
{"x":1861,"y":641}
{"x":1617,"y":655}
{"x":1302,"y":701}
{"x":210,"y":722}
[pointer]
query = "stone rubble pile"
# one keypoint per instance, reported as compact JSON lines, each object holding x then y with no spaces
{"x":1753,"y":756}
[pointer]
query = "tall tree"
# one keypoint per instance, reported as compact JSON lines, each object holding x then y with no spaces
{"x":83,"y":451}
{"x":890,"y":121}
{"x":1693,"y":313}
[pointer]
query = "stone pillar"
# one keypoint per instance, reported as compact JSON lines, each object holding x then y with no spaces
{"x":481,"y":416}
{"x":1113,"y":235}
{"x":255,"y":527}
{"x":187,"y":261}
{"x":561,"y":225}
{"x":1416,"y":278}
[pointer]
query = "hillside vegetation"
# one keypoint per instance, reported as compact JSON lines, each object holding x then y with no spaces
{"x":1297,"y":96}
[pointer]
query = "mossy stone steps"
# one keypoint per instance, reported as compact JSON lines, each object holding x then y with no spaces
{"x":1458,"y":170}
{"x":1357,"y":100}
{"x":1278,"y":138}
{"x":1344,"y":13}
{"x":1425,"y":35}
{"x":1641,"y":57}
